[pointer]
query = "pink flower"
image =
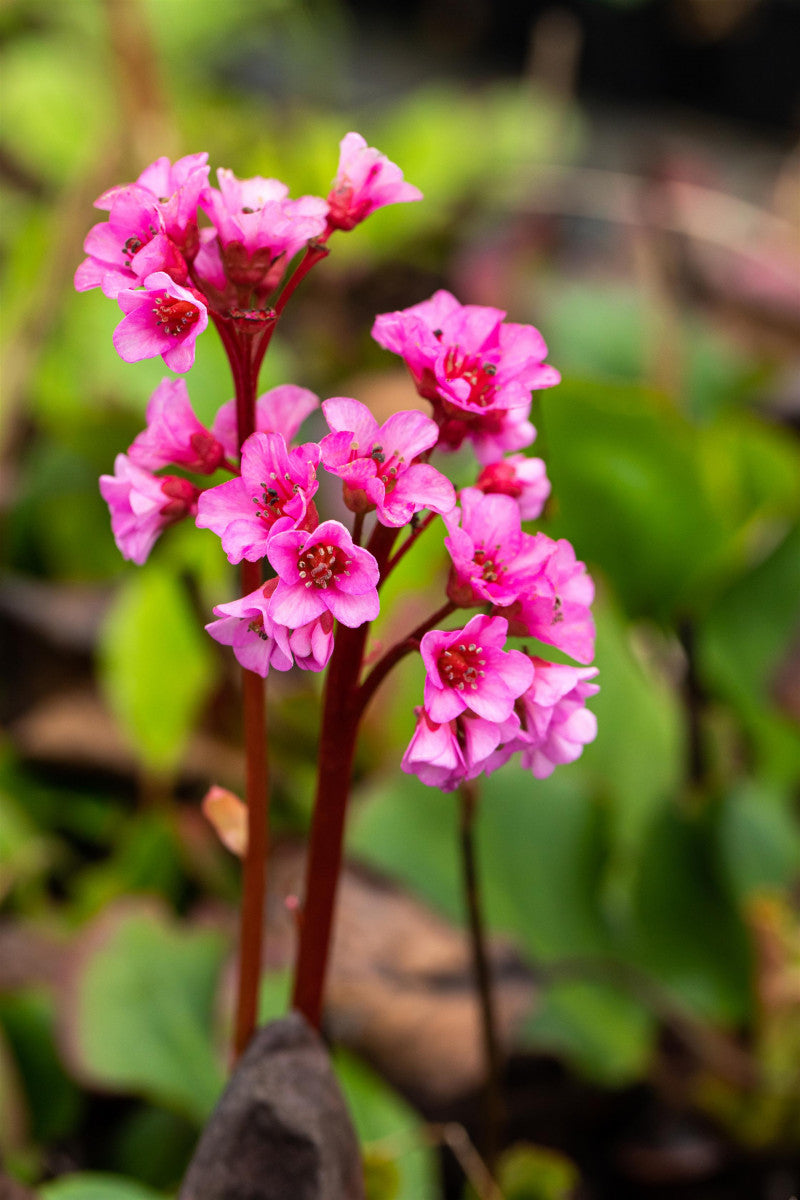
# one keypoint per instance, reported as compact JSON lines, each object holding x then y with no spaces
{"x":174,"y":435}
{"x":273,"y":493}
{"x":524,"y":479}
{"x":556,"y":723}
{"x":142,"y":505}
{"x":281,"y":410}
{"x":445,"y":755}
{"x":476,"y":369}
{"x":259,"y":642}
{"x":489,"y":551}
{"x":130,"y":245}
{"x":322,"y":571}
{"x":376,"y":463}
{"x":176,"y":188}
{"x":468,"y":669}
{"x":162,"y":319}
{"x":365,"y":180}
{"x":557,"y":609}
{"x":259,"y":229}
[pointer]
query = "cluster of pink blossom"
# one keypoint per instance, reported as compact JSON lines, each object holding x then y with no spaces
{"x":170,"y":273}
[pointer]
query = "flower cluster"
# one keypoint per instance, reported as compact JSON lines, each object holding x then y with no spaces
{"x":176,"y":252}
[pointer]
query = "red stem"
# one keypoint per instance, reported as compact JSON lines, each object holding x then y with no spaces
{"x":341,"y":712}
{"x":337,"y":746}
{"x":243,"y":356}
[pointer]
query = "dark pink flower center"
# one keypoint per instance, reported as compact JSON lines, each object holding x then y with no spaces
{"x":388,"y":469}
{"x":490,"y":570}
{"x":275,"y":496}
{"x":319,"y":565}
{"x":460,"y":666}
{"x":175,"y":316}
{"x":477,"y":373}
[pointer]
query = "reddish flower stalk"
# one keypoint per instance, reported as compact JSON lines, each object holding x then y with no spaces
{"x":244,"y":360}
{"x":341,"y":713}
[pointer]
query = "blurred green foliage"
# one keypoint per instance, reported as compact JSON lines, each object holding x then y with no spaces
{"x":627,"y":879}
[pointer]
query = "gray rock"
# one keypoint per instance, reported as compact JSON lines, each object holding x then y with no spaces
{"x":281,"y":1130}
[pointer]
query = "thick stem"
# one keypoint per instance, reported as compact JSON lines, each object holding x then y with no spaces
{"x":337,"y":747}
{"x":341,"y":713}
{"x":480,"y":960}
{"x":251,"y":928}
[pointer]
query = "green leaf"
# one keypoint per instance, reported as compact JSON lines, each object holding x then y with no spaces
{"x":601,"y":1028}
{"x":637,"y":758}
{"x":156,"y":664}
{"x":626,"y":473}
{"x":141,"y":1010}
{"x":687,"y":930}
{"x":536,"y":1173}
{"x":54,"y":1102}
{"x":759,"y":840}
{"x":86,"y":1185}
{"x":381,"y":1117}
{"x":542,"y":853}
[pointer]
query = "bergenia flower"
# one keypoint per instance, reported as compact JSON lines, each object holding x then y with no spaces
{"x":366,"y":180}
{"x":174,"y":436}
{"x":259,"y":642}
{"x":280,"y":410}
{"x":129,"y":246}
{"x":273,"y":493}
{"x":489,"y":551}
{"x":142,"y":504}
{"x":376,"y":463}
{"x":556,"y":724}
{"x":557,"y":608}
{"x":164,"y":319}
{"x":444,"y":755}
{"x":522,"y":478}
{"x":176,"y":188}
{"x":468,"y":669}
{"x":322,"y":571}
{"x":259,"y":229}
{"x":477,"y":369}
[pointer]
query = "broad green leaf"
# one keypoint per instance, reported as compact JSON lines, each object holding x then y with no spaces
{"x":601,"y":1028}
{"x":542,"y":848}
{"x":54,"y":1102}
{"x":156,"y":664}
{"x":759,"y":840}
{"x":626,"y":476}
{"x":687,"y":931}
{"x":86,"y":1185}
{"x":390,"y":1132}
{"x":141,"y":1010}
{"x":637,"y":758}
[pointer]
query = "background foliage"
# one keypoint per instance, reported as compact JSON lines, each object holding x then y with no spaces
{"x":651,"y":886}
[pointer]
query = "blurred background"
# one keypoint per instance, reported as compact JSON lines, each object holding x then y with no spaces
{"x":623,"y":174}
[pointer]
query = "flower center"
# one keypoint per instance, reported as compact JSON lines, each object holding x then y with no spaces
{"x":174,"y":316}
{"x":490,"y":570}
{"x":320,"y":564}
{"x":275,"y":495}
{"x":460,"y":666}
{"x":478,"y":374}
{"x":257,"y":626}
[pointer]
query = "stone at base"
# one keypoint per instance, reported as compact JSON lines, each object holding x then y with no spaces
{"x":281,"y":1130}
